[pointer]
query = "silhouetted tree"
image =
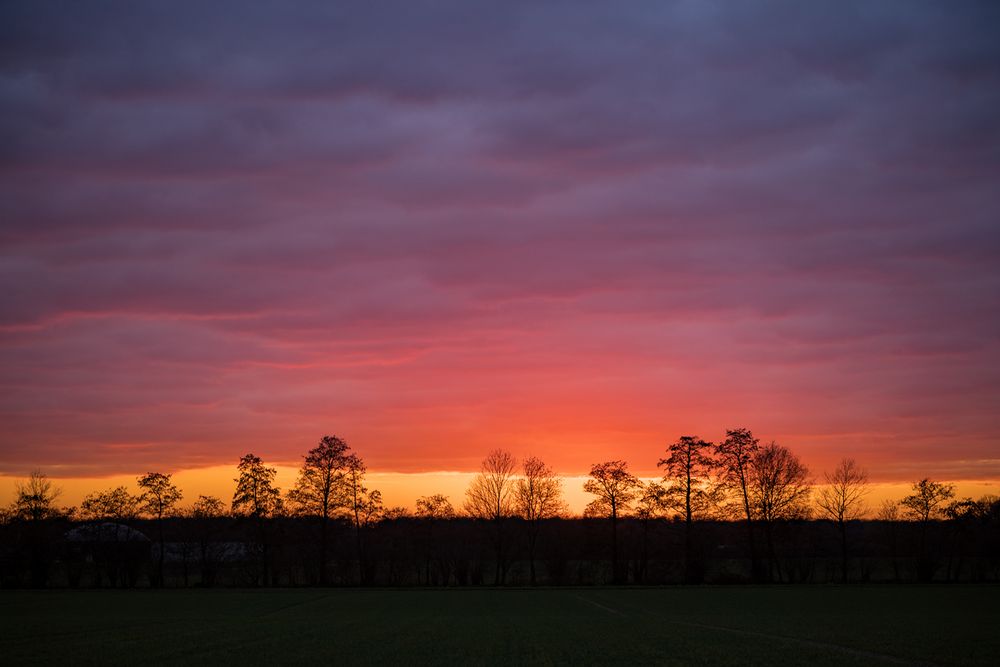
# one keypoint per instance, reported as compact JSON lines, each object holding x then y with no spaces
{"x":779,"y":490}
{"x":363,"y":505}
{"x":34,"y":498}
{"x":927,"y":500}
{"x":925,"y":504}
{"x":615,"y":488}
{"x":395,"y":512}
{"x":257,"y":498}
{"x":159,"y":497}
{"x":734,"y":456}
{"x":33,"y":507}
{"x":686,"y":469}
{"x":490,"y":497}
{"x":321,"y":489}
{"x":113,"y":544}
{"x":433,"y":511}
{"x":655,"y":502}
{"x":206,"y":512}
{"x":842,"y":500}
{"x":537,"y":496}
{"x":117,"y":505}
{"x":964,"y":517}
{"x":435,"y":507}
{"x":888,"y":514}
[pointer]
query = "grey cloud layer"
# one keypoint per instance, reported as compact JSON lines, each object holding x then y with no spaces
{"x":188,"y":189}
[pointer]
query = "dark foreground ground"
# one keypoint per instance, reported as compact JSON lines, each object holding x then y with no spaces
{"x":598,"y":626}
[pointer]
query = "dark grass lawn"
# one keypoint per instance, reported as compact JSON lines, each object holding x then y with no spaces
{"x":583,"y":626}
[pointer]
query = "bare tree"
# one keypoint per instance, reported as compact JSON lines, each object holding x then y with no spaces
{"x":779,"y":490}
{"x":655,"y":502}
{"x":686,"y":469}
{"x":842,"y":499}
{"x":34,"y":498}
{"x":436,"y":506}
{"x":888,"y":515}
{"x":615,"y":488}
{"x":395,"y":513}
{"x":257,"y":498}
{"x":780,"y":485}
{"x":490,"y":497}
{"x":117,"y":505}
{"x":364,"y":507}
{"x":256,"y":495}
{"x":432,"y":510}
{"x":34,"y":504}
{"x":537,"y":496}
{"x":205,"y":512}
{"x":925,"y":504}
{"x":159,"y":497}
{"x":208,"y":507}
{"x":320,"y":489}
{"x":927,"y":500}
{"x":734,"y":455}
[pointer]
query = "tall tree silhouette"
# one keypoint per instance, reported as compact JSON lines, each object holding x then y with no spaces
{"x":257,"y":498}
{"x":615,"y":488}
{"x":364,"y":507}
{"x":34,"y":506}
{"x":734,"y":455}
{"x":34,"y":498}
{"x":927,"y":501}
{"x":888,"y":514}
{"x":537,"y":496}
{"x":159,"y":497}
{"x":654,"y":502}
{"x":118,"y":507}
{"x":434,"y":513}
{"x":925,"y":504}
{"x":490,"y":497}
{"x":686,"y":468}
{"x":779,"y":489}
{"x":842,"y":500}
{"x":205,"y":514}
{"x":320,"y":490}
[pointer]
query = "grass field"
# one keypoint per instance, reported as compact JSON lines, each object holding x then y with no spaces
{"x":584,"y":626}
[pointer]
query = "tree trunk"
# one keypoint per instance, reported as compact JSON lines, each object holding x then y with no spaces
{"x":843,"y":551}
{"x":361,"y":554}
{"x":532,"y":540}
{"x":498,"y":574}
{"x":323,"y":532}
{"x":159,"y":576}
{"x":615,"y":577}
{"x":774,"y":566}
{"x":755,"y":569}
{"x":264,"y":560}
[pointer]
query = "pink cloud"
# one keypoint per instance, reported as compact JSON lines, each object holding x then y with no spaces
{"x":436,"y":232}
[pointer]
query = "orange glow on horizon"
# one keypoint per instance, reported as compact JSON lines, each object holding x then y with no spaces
{"x":402,"y":489}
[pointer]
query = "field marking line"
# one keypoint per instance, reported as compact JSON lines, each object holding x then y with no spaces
{"x":293,"y":604}
{"x":598,"y":604}
{"x":861,"y":653}
{"x":33,"y":638}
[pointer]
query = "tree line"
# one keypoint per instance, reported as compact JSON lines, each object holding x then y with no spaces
{"x":733,"y":510}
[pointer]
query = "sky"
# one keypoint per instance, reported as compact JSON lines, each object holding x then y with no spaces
{"x":569,"y":229}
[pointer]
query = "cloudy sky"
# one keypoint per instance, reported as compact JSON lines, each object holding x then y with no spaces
{"x":572,"y":229}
